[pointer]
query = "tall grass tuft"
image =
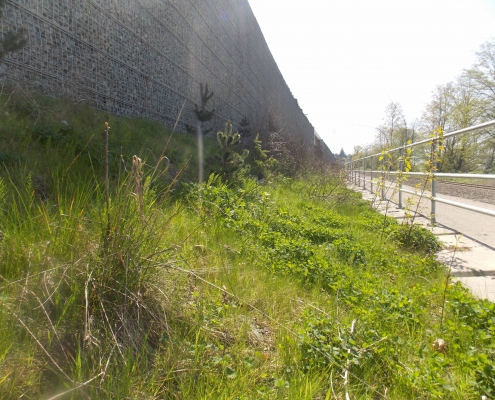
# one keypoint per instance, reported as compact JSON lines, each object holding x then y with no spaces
{"x":79,"y":276}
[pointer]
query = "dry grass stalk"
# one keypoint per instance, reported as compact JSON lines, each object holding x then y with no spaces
{"x":107,"y":183}
{"x":137,"y":174}
{"x":38,"y":342}
{"x":346,"y":372}
{"x":79,"y":386}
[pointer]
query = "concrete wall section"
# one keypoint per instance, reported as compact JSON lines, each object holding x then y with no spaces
{"x":148,"y":57}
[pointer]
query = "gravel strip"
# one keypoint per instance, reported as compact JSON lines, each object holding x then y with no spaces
{"x":466,"y":192}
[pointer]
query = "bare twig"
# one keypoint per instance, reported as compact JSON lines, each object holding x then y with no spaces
{"x":104,"y":372}
{"x":312,"y":306}
{"x":107,"y":185}
{"x":111,"y":330}
{"x":77,"y":156}
{"x":78,"y":386}
{"x":331,"y":385}
{"x":38,"y":342}
{"x":348,"y":363}
{"x":137,"y":174}
{"x":51,"y":324}
{"x":168,"y":141}
{"x":372,"y":344}
{"x":55,"y":289}
{"x":86,"y":310}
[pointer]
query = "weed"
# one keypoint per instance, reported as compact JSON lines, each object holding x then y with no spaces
{"x":351,"y":252}
{"x":415,"y":237}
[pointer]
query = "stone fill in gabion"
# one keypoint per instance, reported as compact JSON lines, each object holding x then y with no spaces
{"x":147,"y":57}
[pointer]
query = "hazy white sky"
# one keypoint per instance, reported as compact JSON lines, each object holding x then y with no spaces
{"x":345,"y":60}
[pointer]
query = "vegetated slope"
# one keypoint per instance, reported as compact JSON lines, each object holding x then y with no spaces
{"x":234,"y":291}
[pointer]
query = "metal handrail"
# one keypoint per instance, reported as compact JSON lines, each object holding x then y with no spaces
{"x":355,"y":174}
{"x":435,"y":174}
{"x":445,"y":136}
{"x":481,"y":210}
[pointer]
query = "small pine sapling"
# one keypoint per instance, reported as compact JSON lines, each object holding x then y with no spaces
{"x":231,"y":161}
{"x":202,"y":114}
{"x":262,"y":163}
{"x":245,"y":129}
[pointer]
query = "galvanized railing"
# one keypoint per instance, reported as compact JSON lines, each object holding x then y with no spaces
{"x":357,"y":172}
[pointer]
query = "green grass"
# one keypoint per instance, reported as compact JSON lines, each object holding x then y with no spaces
{"x":219,"y":291}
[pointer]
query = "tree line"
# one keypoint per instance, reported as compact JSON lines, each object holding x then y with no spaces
{"x":466,"y":101}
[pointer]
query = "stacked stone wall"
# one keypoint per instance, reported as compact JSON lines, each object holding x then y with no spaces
{"x":147,"y":58}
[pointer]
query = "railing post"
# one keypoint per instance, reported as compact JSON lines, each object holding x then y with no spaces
{"x":371,"y":175}
{"x":383,"y":178}
{"x":356,"y":173}
{"x":401,"y":170}
{"x":364,"y":174}
{"x":433,"y":217}
{"x":356,"y":168}
{"x":359,"y":174}
{"x":433,"y":202}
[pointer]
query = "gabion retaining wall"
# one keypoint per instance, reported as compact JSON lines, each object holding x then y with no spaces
{"x":146,"y":57}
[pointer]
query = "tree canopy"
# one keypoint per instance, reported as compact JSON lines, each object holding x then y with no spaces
{"x":468,"y":100}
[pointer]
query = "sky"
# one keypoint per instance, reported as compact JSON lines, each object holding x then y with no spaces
{"x":346,"y":60}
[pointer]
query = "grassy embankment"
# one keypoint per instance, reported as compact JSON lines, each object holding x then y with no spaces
{"x":235,"y":291}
